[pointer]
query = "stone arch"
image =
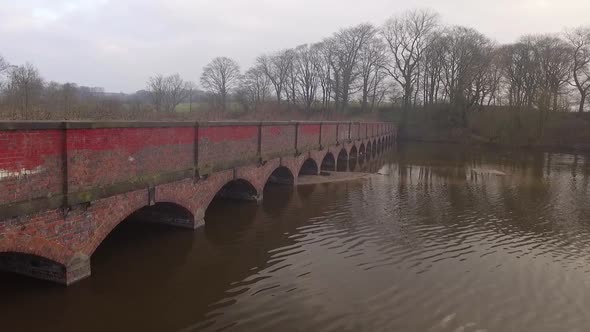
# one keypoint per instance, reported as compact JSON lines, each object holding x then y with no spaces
{"x":281,"y":175}
{"x":352,"y":158}
{"x":309,"y":167}
{"x":138,"y":205}
{"x":120,"y":207}
{"x":240,"y":189}
{"x":233,"y":189}
{"x":342,"y":162}
{"x":165,"y":212}
{"x":328,"y":162}
{"x":35,"y":246}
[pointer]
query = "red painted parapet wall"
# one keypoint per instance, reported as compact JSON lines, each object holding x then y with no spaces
{"x":46,"y":165}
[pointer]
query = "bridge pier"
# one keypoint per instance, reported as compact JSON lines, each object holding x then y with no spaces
{"x":42,"y":268}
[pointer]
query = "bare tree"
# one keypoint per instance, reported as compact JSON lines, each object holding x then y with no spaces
{"x":346,"y":46}
{"x":372,"y":59}
{"x":4,"y":65}
{"x":167,"y":92}
{"x":25,"y":87}
{"x":177,"y":91}
{"x":306,"y":75}
{"x":322,"y":61}
{"x":220,"y":76}
{"x":407,"y":36}
{"x":156,"y":86}
{"x":255,"y":86}
{"x":555,"y":63}
{"x":521,"y":72}
{"x":579,"y":40}
{"x":432,"y":69}
{"x":276,"y":68}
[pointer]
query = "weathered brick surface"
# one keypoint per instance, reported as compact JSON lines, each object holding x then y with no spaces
{"x":277,"y":140}
{"x":355,"y":131}
{"x":364,"y":130}
{"x":30,"y":164}
{"x":70,"y":234}
{"x":329,"y":132}
{"x":344,"y":132}
{"x":308,"y":137}
{"x":221,"y":147}
{"x":99,"y":157}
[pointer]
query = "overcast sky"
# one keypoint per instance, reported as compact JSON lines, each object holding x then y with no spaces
{"x":118,"y":44}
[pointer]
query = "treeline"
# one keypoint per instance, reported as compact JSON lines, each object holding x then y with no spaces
{"x":411,"y":61}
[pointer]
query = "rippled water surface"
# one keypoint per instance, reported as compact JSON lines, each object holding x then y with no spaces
{"x":444,"y":238}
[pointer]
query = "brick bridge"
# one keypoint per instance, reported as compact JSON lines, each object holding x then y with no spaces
{"x":64,"y":186}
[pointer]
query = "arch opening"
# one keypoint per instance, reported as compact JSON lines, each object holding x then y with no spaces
{"x":342,"y":164}
{"x":244,"y":199}
{"x":309,"y":167}
{"x":164,"y":213}
{"x":369,"y":151}
{"x":361,"y":154}
{"x":329,"y":163}
{"x":282,"y":176}
{"x":238,"y":189}
{"x":374,"y":149}
{"x":352,"y":159}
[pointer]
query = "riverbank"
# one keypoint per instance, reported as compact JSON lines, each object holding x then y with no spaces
{"x":556,"y":131}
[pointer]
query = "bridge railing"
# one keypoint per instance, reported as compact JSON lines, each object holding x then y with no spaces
{"x":46,"y":165}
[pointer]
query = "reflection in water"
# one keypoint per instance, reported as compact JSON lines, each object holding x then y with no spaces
{"x":444,"y":239}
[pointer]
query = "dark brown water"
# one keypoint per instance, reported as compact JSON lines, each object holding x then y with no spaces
{"x":447,"y":239}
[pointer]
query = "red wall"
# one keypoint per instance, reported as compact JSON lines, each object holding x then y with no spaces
{"x":32,"y":155}
{"x":99,"y":157}
{"x":221,"y":147}
{"x":308,"y":137}
{"x":277,"y":139}
{"x":30,"y":164}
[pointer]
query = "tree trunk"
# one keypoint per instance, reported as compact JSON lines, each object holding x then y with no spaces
{"x":582,"y":102}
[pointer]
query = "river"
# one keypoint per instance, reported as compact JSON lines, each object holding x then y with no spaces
{"x":441,"y":238}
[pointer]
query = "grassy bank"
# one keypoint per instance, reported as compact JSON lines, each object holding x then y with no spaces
{"x":502,"y":127}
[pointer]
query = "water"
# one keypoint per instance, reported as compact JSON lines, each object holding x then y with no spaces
{"x":445,"y":239}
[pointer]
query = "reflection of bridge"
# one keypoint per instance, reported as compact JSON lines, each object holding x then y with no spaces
{"x":64,"y":186}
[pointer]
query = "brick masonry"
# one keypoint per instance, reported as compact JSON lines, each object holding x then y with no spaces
{"x":65,"y":186}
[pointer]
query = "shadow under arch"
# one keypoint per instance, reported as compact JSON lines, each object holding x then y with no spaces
{"x":238,"y":189}
{"x":342,"y":163}
{"x":142,"y":234}
{"x":231,"y":210}
{"x":361,"y":154}
{"x":146,"y":213}
{"x":281,"y":175}
{"x":329,"y":162}
{"x":309,"y":167}
{"x":369,"y":151}
{"x":241,"y":195}
{"x":352,"y":158}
